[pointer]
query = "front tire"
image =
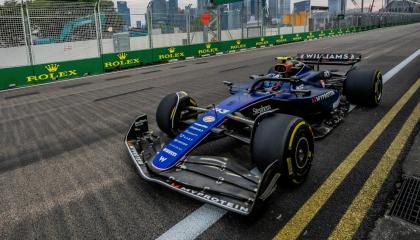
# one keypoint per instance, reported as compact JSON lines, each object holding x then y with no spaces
{"x":363,"y":87}
{"x":172,"y":109}
{"x":288,"y":140}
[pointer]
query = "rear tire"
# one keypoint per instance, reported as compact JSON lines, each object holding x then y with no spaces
{"x":288,"y":140}
{"x":363,"y":87}
{"x":172,"y":108}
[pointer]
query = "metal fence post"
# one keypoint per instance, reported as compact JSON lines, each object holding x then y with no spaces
{"x":149,"y":24}
{"x":25,"y":34}
{"x":98,"y":28}
{"x":188,"y":23}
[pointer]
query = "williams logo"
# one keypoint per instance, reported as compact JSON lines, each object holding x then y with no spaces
{"x":172,"y":54}
{"x":281,"y":39}
{"x":238,"y":45}
{"x":122,"y":60}
{"x":53,"y":74}
{"x":208,"y":50}
{"x":262,"y":42}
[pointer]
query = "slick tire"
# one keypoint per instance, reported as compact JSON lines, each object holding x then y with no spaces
{"x":171,"y":110}
{"x":289,"y":141}
{"x":363,"y":87}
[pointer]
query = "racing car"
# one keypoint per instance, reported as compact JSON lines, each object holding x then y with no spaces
{"x":278,"y":114}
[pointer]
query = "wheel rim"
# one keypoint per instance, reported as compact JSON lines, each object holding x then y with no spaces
{"x":301,"y":152}
{"x":378,"y":89}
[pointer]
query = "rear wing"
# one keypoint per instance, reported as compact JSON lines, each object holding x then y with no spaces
{"x":329,"y":58}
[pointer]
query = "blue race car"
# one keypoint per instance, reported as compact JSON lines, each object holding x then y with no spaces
{"x":278,"y":114}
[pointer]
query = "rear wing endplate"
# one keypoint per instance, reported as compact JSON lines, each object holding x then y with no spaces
{"x":329,"y":58}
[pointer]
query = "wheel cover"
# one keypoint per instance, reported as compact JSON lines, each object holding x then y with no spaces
{"x":302,"y":152}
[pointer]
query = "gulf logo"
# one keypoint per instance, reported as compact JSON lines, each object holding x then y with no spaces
{"x":209,"y":119}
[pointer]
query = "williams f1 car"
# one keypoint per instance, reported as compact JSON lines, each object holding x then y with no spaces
{"x":278,"y":115}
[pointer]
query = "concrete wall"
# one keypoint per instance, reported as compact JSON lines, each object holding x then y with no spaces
{"x":14,"y":57}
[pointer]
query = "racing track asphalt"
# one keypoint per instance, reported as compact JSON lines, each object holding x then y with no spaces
{"x":65,"y":173}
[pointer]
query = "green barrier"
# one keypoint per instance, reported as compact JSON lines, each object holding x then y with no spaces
{"x":170,"y":53}
{"x":297,"y":37}
{"x":312,"y":35}
{"x":43,"y":73}
{"x":331,"y":32}
{"x":234,"y":45}
{"x":14,"y":77}
{"x":282,"y":39}
{"x":115,"y":61}
{"x":204,"y":49}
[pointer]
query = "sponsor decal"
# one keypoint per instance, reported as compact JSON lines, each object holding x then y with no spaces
{"x":191,"y":133}
{"x":297,"y":37}
{"x":322,"y":97}
{"x":281,"y":39}
{"x":171,"y":54}
{"x":201,"y":125}
{"x":238,"y":45}
{"x":170,"y":152}
{"x":221,"y":110}
{"x":196,"y":129}
{"x":181,"y":142}
{"x":209,"y":119}
{"x":122,"y":60}
{"x":213,"y":199}
{"x":185,"y":137}
{"x":208,"y":50}
{"x":262,"y":109}
{"x":300,"y":87}
{"x":310,"y":36}
{"x":262,"y":42}
{"x":135,"y":155}
{"x":328,"y":56}
{"x":175,"y":146}
{"x":52,"y":74}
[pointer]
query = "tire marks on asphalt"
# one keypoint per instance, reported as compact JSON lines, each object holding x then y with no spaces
{"x":122,"y":94}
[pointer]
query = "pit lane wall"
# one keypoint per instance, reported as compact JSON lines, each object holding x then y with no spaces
{"x":56,"y":71}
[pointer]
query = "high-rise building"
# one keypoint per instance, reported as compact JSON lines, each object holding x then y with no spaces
{"x":284,"y":7}
{"x":234,"y":19}
{"x":159,"y":7}
{"x":173,"y":6}
{"x":124,"y":11}
{"x":278,"y":8}
{"x":337,"y":6}
{"x":302,"y":6}
{"x":201,"y":6}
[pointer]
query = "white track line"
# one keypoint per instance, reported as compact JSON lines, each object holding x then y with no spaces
{"x":205,"y":216}
{"x":395,"y":70}
{"x":195,"y":224}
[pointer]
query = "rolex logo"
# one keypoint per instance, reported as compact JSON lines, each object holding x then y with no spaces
{"x":208,"y":45}
{"x":52,"y":68}
{"x":238,"y":42}
{"x":262,"y":39}
{"x":171,"y":50}
{"x":122,"y":56}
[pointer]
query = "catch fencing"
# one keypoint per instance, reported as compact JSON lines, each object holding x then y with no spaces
{"x":49,"y":41}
